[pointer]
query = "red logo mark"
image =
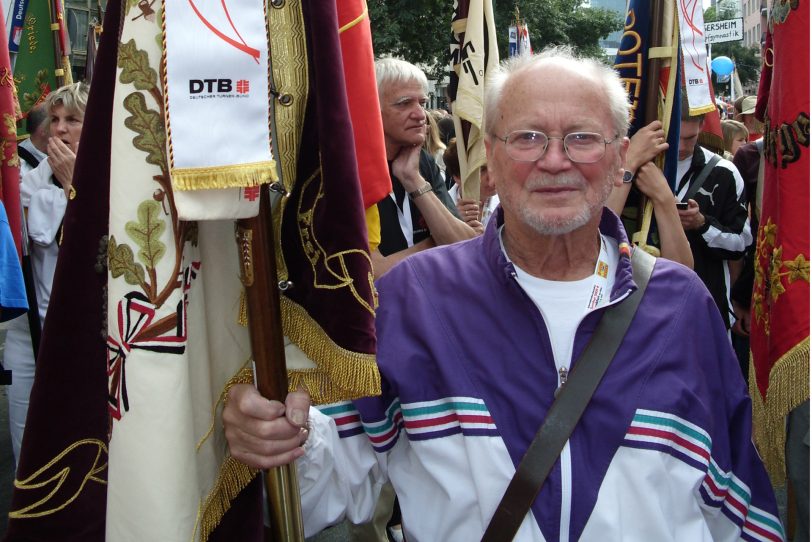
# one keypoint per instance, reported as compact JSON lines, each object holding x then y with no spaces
{"x":252,"y":192}
{"x":242,"y":86}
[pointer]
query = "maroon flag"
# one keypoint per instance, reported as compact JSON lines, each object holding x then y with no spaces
{"x":60,"y":490}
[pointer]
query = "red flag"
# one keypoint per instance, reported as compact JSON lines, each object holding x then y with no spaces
{"x":362,"y":98}
{"x":9,"y":162}
{"x":779,"y":339}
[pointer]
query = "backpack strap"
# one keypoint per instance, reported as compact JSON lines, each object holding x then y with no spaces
{"x":696,"y":184}
{"x":568,"y":407}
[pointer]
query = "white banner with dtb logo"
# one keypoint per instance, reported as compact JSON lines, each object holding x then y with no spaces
{"x":217,"y":106}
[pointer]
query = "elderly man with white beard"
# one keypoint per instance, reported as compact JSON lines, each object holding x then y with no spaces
{"x":477,"y":340}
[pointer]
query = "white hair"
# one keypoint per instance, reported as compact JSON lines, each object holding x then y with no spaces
{"x":603,"y":75}
{"x":394,"y":70}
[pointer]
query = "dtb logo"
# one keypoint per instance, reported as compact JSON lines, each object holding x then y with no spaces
{"x":222,"y":88}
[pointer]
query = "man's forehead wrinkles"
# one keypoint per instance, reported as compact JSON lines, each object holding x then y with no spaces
{"x":408,"y":98}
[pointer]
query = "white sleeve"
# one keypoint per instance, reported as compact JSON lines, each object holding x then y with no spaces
{"x":46,"y":204}
{"x":338,"y":477}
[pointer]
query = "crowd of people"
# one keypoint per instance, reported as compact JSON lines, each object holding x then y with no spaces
{"x":478,"y":337}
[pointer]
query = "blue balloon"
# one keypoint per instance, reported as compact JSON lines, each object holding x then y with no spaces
{"x":722,"y":65}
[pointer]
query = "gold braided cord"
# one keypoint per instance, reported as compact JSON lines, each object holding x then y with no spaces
{"x":788,"y":387}
{"x":233,"y":477}
{"x":341,"y":374}
{"x":242,"y":312}
{"x":219,"y":177}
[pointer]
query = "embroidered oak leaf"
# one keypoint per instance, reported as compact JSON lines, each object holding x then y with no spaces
{"x":759,"y":311}
{"x":11,"y":124}
{"x":11,"y":134}
{"x":135,"y":68}
{"x":776,"y":287}
{"x":149,"y":126}
{"x":147,"y":232}
{"x":770,"y":232}
{"x":798,"y":268}
{"x":41,"y":88}
{"x":122,"y":262}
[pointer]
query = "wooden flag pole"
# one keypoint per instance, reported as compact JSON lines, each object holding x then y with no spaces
{"x":257,"y":254}
{"x":61,"y":61}
{"x":651,"y":112}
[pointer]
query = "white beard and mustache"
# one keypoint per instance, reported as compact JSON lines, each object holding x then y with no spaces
{"x":559,"y":225}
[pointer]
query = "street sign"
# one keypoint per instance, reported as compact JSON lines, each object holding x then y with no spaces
{"x":722,"y":31}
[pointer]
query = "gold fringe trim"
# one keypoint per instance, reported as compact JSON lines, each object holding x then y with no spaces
{"x":234,"y":476}
{"x":218,"y":177}
{"x":341,"y":374}
{"x":788,"y":387}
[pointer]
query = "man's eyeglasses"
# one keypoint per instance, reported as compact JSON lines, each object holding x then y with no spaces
{"x":581,"y":147}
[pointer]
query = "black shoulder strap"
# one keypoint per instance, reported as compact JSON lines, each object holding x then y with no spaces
{"x":567,"y":408}
{"x":28,"y":156}
{"x":696,"y":184}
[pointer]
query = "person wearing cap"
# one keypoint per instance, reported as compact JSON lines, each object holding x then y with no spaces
{"x":746,"y":114}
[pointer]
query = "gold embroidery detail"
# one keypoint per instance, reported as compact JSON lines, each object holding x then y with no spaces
{"x":10,"y":135}
{"x":52,"y":477}
{"x":334,"y":264}
{"x":289,"y":76}
{"x":770,"y":282}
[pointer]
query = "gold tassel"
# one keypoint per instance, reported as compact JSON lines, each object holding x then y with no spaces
{"x":788,"y":387}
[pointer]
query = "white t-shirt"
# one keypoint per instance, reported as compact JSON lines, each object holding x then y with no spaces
{"x":563,"y":304}
{"x":682,"y":168}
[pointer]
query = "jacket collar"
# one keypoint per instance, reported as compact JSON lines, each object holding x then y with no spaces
{"x":610,"y":225}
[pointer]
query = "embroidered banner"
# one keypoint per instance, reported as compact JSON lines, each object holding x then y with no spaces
{"x":474,"y":54}
{"x":217,"y":106}
{"x":695,"y":56}
{"x":779,"y":339}
{"x":61,"y":484}
{"x":34,"y":67}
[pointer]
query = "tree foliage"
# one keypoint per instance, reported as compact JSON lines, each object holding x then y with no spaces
{"x":420,"y":30}
{"x":747,"y":59}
